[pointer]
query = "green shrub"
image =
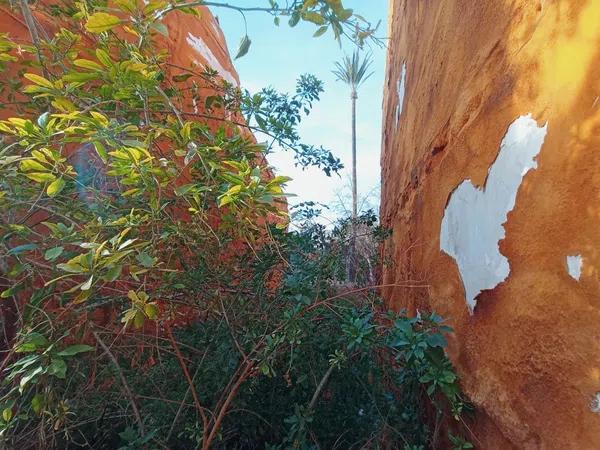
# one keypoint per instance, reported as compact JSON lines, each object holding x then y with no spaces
{"x":158,"y":299}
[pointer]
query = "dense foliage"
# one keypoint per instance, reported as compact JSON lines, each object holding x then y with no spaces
{"x":151,"y":295}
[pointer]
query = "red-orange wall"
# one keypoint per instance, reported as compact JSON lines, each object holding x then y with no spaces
{"x":529,"y":352}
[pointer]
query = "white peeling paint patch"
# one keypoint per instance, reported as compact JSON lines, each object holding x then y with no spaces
{"x":215,"y":27}
{"x":595,"y":406}
{"x":203,"y":49}
{"x":401,"y":90}
{"x":473,"y":221}
{"x":574,"y":265}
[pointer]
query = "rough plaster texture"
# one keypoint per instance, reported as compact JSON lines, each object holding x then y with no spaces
{"x":529,"y":354}
{"x":473,"y":222}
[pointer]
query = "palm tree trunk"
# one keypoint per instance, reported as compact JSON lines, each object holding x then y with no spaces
{"x":352,"y":256}
{"x":354,"y":188}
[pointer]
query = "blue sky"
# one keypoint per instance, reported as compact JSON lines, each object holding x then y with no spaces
{"x":278,"y":55}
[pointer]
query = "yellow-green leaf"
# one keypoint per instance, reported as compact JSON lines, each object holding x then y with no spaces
{"x":234,"y":190}
{"x":321,"y":31}
{"x":40,"y":177}
{"x":104,"y":57}
{"x":314,"y":17}
{"x":55,"y":187}
{"x":40,"y":81}
{"x":87,"y":64}
{"x":225,"y":200}
{"x":101,"y":118}
{"x":133,"y":296}
{"x":138,"y":320}
{"x":29,"y":165}
{"x":100,"y":22}
{"x":37,"y":403}
{"x":64,"y":105}
{"x":7,"y":414}
{"x":151,"y":310}
{"x":82,"y":297}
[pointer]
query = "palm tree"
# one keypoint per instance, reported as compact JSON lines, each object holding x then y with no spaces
{"x":354,"y":72}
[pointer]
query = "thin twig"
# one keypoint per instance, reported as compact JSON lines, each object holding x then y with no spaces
{"x":322,"y":383}
{"x":126,"y":388}
{"x":189,"y":379}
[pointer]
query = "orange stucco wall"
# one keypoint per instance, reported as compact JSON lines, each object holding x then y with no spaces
{"x":529,"y":351}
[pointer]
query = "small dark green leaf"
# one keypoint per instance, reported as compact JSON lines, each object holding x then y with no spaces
{"x":58,"y":368}
{"x":53,"y":253}
{"x":244,"y":47}
{"x":145,"y":259}
{"x":437,"y":340}
{"x":75,"y":349}
{"x":182,"y":77}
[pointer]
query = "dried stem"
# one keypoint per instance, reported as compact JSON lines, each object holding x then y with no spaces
{"x":128,"y":392}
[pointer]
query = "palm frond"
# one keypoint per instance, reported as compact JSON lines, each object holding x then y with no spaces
{"x":352,"y":70}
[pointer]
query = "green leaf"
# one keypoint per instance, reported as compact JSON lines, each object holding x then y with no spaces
{"x":294,"y":19}
{"x":151,"y":310}
{"x":11,"y":291}
{"x":225,"y":200}
{"x":145,"y":259}
{"x":138,"y":320}
{"x":321,"y":31}
{"x":71,"y":268}
{"x":87,"y":64}
{"x":30,"y":376}
{"x":32,"y":342}
{"x":244,"y":47}
{"x":21,"y":249}
{"x":40,"y":81}
{"x":7,"y":414}
{"x":182,"y":77}
{"x":184,"y":189}
{"x":104,"y":57}
{"x":101,"y":151}
{"x":56,"y":187}
{"x":161,"y":28}
{"x":40,"y":177}
{"x":16,"y":270}
{"x":58,"y":368}
{"x":80,"y":77}
{"x":75,"y":349}
{"x":37,"y":402}
{"x":437,"y":340}
{"x":314,"y":17}
{"x":113,"y":273}
{"x":345,"y":14}
{"x":29,"y":165}
{"x":100,"y":22}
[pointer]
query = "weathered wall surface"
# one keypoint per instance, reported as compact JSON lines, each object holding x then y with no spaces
{"x":491,"y":183}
